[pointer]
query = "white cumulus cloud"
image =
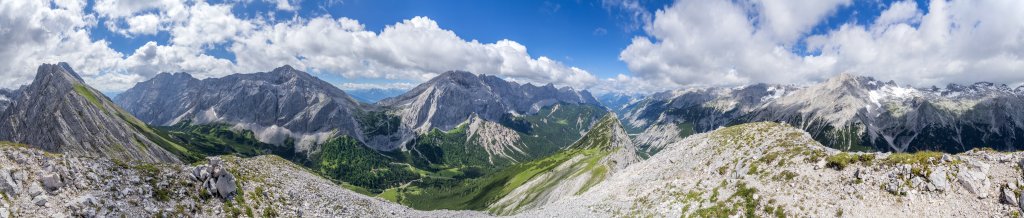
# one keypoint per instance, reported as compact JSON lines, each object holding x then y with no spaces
{"x":718,"y":42}
{"x":415,"y":49}
{"x":144,"y":24}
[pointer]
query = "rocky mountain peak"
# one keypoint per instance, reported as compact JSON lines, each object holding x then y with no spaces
{"x":61,"y":73}
{"x":289,"y":72}
{"x":989,"y":86}
{"x":286,"y":67}
{"x":850,"y":82}
{"x":58,"y":112}
{"x":458,"y":78}
{"x":978,"y":89}
{"x":455,"y":75}
{"x":175,"y":76}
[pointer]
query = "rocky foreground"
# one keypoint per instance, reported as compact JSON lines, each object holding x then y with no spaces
{"x":770,"y":169}
{"x":758,"y":169}
{"x":35,"y":183}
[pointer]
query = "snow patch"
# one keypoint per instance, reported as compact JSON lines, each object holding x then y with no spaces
{"x":773,"y":93}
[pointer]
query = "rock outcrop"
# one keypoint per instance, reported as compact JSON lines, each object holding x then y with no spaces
{"x":215,"y":179}
{"x":58,"y":112}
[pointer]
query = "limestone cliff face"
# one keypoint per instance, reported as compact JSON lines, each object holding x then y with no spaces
{"x":284,"y":103}
{"x":58,"y":112}
{"x":7,"y":96}
{"x":449,"y":99}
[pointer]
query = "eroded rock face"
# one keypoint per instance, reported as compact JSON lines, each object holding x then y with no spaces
{"x":449,"y":99}
{"x":7,"y":97}
{"x":275,"y":105}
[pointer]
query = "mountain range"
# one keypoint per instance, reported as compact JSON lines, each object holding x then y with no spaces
{"x":373,"y":95}
{"x":465,"y":141}
{"x":846,"y":112}
{"x":448,"y":99}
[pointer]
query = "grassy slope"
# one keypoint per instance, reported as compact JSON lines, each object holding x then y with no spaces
{"x":158,"y":137}
{"x":479,"y":193}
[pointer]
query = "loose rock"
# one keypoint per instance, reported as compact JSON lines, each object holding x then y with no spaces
{"x":974,"y":178}
{"x":34,"y":189}
{"x":40,"y":200}
{"x":1007,"y":196}
{"x":938,"y":179}
{"x":51,"y":182}
{"x":7,"y":183}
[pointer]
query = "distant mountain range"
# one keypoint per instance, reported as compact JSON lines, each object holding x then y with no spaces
{"x":619,"y":102}
{"x":846,"y":112}
{"x":373,"y":95}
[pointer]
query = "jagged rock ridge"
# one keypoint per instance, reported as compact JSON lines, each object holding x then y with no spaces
{"x":849,"y":112}
{"x":852,"y":112}
{"x":276,"y":105}
{"x":669,"y":116}
{"x":447,"y":100}
{"x":58,"y":112}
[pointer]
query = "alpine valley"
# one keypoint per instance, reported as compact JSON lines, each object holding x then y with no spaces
{"x":462,"y":144}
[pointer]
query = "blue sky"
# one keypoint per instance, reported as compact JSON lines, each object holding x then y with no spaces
{"x":605,"y":46}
